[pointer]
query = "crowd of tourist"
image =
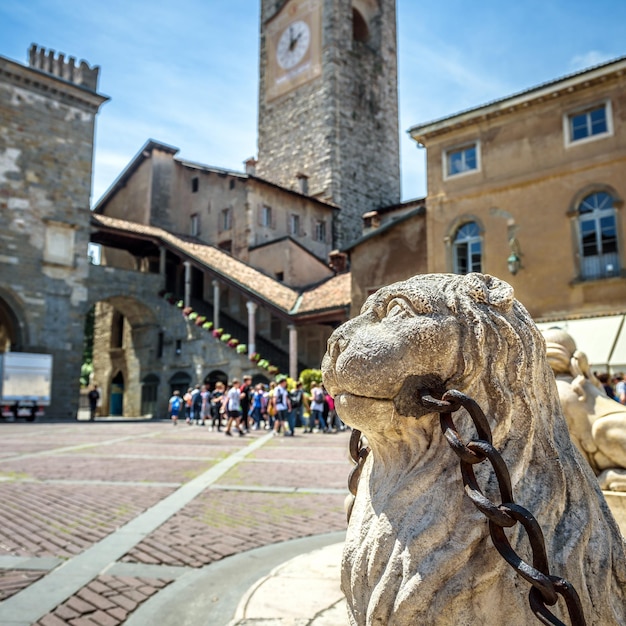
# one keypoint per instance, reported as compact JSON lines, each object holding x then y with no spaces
{"x":241,"y":407}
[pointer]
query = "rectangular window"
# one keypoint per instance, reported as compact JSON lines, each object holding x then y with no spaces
{"x":227,"y":246}
{"x":588,"y":124}
{"x":195,"y":225}
{"x":195,"y":184}
{"x":227,"y":220}
{"x":462,"y":160}
{"x":320,"y":230}
{"x":265,"y":218}
{"x":294,"y":224}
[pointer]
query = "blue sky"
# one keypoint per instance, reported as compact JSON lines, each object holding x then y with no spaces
{"x":186,"y":73}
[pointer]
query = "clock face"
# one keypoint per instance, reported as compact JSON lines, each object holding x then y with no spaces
{"x":293,"y":44}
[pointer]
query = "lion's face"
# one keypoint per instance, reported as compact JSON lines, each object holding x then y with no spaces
{"x":433,"y":330}
{"x":407,"y":335}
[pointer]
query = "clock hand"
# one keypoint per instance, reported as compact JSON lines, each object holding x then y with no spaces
{"x":294,"y":41}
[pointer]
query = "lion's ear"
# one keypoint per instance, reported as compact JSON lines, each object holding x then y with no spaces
{"x":490,"y":290}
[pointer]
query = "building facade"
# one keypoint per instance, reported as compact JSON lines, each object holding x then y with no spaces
{"x":47,"y":118}
{"x":530,"y":188}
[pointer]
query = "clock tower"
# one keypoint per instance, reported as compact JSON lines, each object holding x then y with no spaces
{"x":328,"y":104}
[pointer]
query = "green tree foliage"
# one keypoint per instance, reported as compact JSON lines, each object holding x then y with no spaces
{"x":87,"y":366}
{"x":309,"y":376}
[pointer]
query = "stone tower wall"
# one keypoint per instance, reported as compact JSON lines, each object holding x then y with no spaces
{"x":46,"y":148}
{"x":340,"y":129}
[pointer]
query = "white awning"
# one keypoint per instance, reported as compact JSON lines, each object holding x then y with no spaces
{"x":602,"y":339}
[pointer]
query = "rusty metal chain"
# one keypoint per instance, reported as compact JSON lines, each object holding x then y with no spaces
{"x":358,"y":453}
{"x":545,"y":588}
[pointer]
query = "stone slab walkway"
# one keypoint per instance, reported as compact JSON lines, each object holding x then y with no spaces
{"x":98,"y":520}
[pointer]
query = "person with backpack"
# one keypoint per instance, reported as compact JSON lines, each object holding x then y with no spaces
{"x":214,"y":406}
{"x":196,"y":405}
{"x":257,"y":407}
{"x":317,"y":408}
{"x":296,"y":396}
{"x":232,"y":402}
{"x":174,"y":406}
{"x":283,"y":408}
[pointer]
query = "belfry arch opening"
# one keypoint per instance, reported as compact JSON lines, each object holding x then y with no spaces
{"x":360,"y":30}
{"x":364,"y":13}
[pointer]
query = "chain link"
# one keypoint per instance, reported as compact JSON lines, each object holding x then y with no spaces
{"x":545,"y":588}
{"x":358,"y":453}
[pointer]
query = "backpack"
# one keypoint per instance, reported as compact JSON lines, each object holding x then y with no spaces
{"x":296,"y":397}
{"x":197,"y":402}
{"x":176,"y":404}
{"x":318,"y":395}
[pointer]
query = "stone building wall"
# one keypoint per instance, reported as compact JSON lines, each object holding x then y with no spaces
{"x":397,"y":253}
{"x":47,"y":118}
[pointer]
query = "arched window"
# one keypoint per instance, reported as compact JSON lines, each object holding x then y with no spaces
{"x":360,"y":31}
{"x":597,"y":234}
{"x":467,"y":249}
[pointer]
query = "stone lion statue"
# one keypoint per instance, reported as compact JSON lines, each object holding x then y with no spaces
{"x":417,"y":550}
{"x":597,"y":423}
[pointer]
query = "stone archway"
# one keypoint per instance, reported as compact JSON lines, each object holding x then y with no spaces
{"x":12,"y":328}
{"x":214,"y":376}
{"x":125,"y":343}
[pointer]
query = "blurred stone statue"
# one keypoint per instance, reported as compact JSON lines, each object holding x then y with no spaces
{"x":597,"y":423}
{"x":417,"y":550}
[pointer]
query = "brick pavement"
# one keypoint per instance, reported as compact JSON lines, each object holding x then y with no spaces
{"x":65,"y":487}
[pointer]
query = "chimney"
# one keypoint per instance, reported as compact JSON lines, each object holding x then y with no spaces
{"x":251,"y":166}
{"x":371,"y":221}
{"x":338,"y":261}
{"x":303,"y":184}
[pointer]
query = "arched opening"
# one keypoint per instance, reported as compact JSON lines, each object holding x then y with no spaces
{"x":117,"y":330}
{"x":213,"y":376}
{"x":467,"y":248}
{"x":180,"y":381}
{"x":124,"y":338}
{"x":11,"y":338}
{"x":597,"y":237}
{"x":360,"y":30}
{"x":260,"y":378}
{"x":117,"y":395}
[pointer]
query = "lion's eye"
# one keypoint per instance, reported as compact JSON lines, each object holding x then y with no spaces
{"x":397,"y":306}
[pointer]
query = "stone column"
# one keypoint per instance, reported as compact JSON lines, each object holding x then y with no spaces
{"x":216,"y":304}
{"x":187,"y":298}
{"x":252,"y":307}
{"x":293,"y":351}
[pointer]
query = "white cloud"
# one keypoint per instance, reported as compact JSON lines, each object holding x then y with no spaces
{"x":589,"y":59}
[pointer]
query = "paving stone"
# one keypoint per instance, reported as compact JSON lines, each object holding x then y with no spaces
{"x":63,"y":518}
{"x":103,"y":619}
{"x":13,"y":581}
